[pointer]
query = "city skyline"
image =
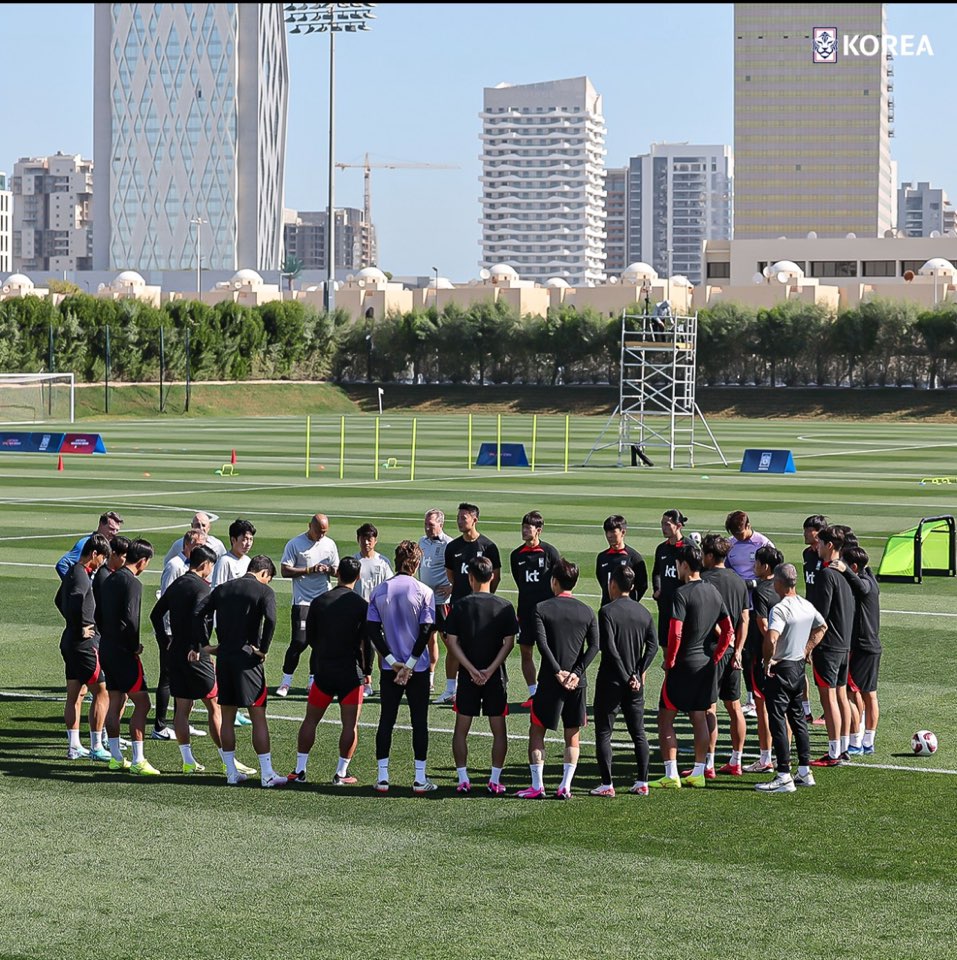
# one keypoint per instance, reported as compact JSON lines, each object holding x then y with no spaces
{"x":410,"y":90}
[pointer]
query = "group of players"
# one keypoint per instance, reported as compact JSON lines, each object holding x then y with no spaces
{"x":727,"y":608}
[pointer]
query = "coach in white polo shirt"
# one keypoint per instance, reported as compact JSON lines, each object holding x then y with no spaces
{"x":200,"y":521}
{"x":309,"y":560}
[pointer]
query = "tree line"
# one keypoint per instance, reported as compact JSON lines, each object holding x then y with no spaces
{"x":881,"y":342}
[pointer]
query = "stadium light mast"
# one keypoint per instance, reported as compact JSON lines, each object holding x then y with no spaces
{"x":306,"y":18}
{"x":199,"y":221}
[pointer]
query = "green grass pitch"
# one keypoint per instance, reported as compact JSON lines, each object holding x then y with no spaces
{"x":103,"y":866}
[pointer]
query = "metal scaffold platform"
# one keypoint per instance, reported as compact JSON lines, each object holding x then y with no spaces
{"x":657,"y":409}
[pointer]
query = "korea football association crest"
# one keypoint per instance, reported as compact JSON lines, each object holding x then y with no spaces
{"x":824,"y":45}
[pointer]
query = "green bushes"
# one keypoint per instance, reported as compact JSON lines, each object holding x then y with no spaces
{"x":882,"y":343}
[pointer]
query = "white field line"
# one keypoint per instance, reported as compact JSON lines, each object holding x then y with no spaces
{"x":512,"y":736}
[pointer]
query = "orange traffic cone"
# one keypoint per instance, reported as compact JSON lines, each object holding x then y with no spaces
{"x":233,"y":458}
{"x":59,"y":462}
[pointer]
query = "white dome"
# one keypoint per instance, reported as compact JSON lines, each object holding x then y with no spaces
{"x":556,"y":283}
{"x":503,"y":270}
{"x":19,"y":280}
{"x":787,"y":266}
{"x":443,"y":283}
{"x":636,"y":272}
{"x":372,"y":273}
{"x":680,"y":280}
{"x":130,"y":277}
{"x":939,"y":266}
{"x":247,"y":276}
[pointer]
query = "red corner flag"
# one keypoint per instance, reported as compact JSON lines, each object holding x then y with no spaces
{"x":233,"y":458}
{"x":59,"y":462}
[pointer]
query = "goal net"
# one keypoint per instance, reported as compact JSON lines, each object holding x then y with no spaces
{"x":36,"y":397}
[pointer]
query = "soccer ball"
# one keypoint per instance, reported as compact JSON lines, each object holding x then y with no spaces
{"x":924,"y":743}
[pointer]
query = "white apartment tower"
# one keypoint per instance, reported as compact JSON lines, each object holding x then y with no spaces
{"x":6,"y":226}
{"x":189,"y":118}
{"x":812,"y":122}
{"x":679,"y":195}
{"x":52,"y":210}
{"x":923,"y":209}
{"x":543,"y":165}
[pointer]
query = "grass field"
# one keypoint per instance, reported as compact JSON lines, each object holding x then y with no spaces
{"x":103,"y":866}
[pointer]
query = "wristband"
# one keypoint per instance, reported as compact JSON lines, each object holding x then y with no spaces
{"x":390,"y":660}
{"x":411,"y":662}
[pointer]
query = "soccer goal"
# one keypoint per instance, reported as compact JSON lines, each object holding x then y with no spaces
{"x":36,"y":397}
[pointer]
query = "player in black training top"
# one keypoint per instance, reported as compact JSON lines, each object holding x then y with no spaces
{"x":699,"y":634}
{"x":664,"y":572}
{"x":245,"y":611}
{"x":481,"y":632}
{"x":458,"y":552}
{"x":531,"y":564}
{"x":734,"y":593}
{"x":619,"y":554}
{"x":813,"y":525}
{"x":834,"y":601}
{"x":192,"y":675}
{"x":628,"y":641}
{"x":763,"y":597}
{"x":567,"y":636}
{"x":121,"y":598}
{"x":79,"y":647}
{"x":865,"y":646}
{"x":341,"y":658}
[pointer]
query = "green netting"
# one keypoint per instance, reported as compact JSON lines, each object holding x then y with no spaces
{"x":899,"y":554}
{"x":898,"y":559}
{"x":935,"y":553}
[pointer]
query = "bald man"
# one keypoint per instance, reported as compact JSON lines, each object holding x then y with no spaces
{"x":309,"y":560}
{"x":200,"y":521}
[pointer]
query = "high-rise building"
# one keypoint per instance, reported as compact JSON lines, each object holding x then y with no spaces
{"x":543,"y":167}
{"x":6,"y":226}
{"x":812,"y":122}
{"x":189,"y":118}
{"x":679,"y":195}
{"x":616,"y":220}
{"x":52,"y":213}
{"x":922,"y":209}
{"x":305,"y":238}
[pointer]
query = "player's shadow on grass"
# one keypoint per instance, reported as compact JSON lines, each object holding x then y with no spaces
{"x":27,"y":734}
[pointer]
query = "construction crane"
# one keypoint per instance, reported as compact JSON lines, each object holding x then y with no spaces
{"x":367,"y":167}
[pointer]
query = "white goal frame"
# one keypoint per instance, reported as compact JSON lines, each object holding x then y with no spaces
{"x":34,"y":379}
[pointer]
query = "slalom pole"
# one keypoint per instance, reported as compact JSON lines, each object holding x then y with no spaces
{"x":498,"y":441}
{"x":342,"y":447}
{"x":376,"y":473}
{"x":534,"y":438}
{"x":412,"y":464}
{"x":308,"y":433}
{"x":468,"y":457}
{"x":566,"y":442}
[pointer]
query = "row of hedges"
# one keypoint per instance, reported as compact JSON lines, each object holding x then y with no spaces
{"x":882,"y":342}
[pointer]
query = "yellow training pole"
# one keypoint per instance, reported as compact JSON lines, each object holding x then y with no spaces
{"x":376,"y":448}
{"x":534,"y":438}
{"x":469,"y":457}
{"x":342,"y":448}
{"x":308,"y":429}
{"x":566,"y":443}
{"x":498,"y":454}
{"x":412,"y":465}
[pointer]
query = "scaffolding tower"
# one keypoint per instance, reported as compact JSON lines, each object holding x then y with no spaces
{"x":657,"y":407}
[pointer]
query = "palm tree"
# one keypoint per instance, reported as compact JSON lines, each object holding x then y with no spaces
{"x":291,"y":268}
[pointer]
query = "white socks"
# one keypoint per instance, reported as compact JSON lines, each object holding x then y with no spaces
{"x":301,"y":760}
{"x":869,"y":738}
{"x":709,"y":761}
{"x":96,"y":739}
{"x":671,"y":769}
{"x":699,"y":769}
{"x":384,"y":770}
{"x":229,"y":758}
{"x":73,"y":739}
{"x":342,"y":767}
{"x":138,"y":751}
{"x":420,"y":771}
{"x":287,"y":680}
{"x":855,"y":739}
{"x":765,"y":757}
{"x":115,"y":751}
{"x":431,"y":679}
{"x":807,"y":707}
{"x":450,"y":685}
{"x":804,"y":771}
{"x":845,"y":743}
{"x":265,"y":766}
{"x":496,"y":775}
{"x":538,"y":771}
{"x":735,"y":758}
{"x":187,"y":751}
{"x":532,"y":689}
{"x":463,"y":774}
{"x":568,"y":772}
{"x":833,"y":749}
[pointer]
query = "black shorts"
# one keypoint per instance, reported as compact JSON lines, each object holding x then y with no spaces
{"x":553,"y":704}
{"x":192,"y":681}
{"x":688,"y":688}
{"x":526,"y":630}
{"x":755,"y":675}
{"x":441,"y":615}
{"x":82,"y":664}
{"x":830,"y":667}
{"x":728,"y":679}
{"x":863,"y":670}
{"x":124,"y":674}
{"x":240,"y":683}
{"x":490,"y":700}
{"x":335,"y":681}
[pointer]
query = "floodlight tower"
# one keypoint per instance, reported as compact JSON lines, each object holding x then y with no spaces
{"x":330,"y":18}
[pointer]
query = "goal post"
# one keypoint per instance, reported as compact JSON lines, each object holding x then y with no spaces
{"x":37,"y":397}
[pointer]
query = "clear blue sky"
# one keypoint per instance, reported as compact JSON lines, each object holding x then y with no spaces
{"x":411,"y":90}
